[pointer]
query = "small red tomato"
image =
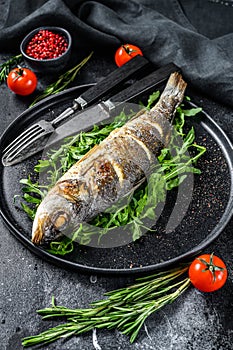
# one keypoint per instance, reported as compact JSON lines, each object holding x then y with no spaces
{"x":208,"y":273}
{"x":22,"y":81}
{"x":125,"y":53}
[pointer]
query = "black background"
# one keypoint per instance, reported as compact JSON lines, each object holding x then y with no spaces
{"x":195,"y":321}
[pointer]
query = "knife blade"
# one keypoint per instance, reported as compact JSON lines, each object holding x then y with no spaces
{"x":83,"y":120}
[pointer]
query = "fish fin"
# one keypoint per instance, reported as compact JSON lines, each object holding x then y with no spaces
{"x":139,"y":183}
{"x":38,"y":233}
{"x":139,"y":113}
{"x":136,"y":185}
{"x":92,"y":150}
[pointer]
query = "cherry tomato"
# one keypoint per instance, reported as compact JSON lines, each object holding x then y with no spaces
{"x":125,"y":53}
{"x":208,"y":273}
{"x":22,"y":81}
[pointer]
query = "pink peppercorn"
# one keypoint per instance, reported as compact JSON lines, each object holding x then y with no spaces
{"x":46,"y":45}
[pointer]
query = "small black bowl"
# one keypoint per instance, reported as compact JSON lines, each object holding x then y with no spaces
{"x":51,"y":64}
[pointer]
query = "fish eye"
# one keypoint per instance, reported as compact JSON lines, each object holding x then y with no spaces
{"x":60,"y":220}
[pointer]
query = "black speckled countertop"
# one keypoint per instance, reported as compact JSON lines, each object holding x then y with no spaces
{"x":196,"y":321}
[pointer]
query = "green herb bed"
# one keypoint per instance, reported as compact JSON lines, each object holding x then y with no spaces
{"x":174,"y":163}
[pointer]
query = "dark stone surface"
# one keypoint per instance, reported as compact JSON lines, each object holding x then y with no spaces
{"x":196,"y":321}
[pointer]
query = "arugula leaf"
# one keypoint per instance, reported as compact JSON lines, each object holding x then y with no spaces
{"x":191,"y":112}
{"x":152,"y":99}
{"x":62,"y":247}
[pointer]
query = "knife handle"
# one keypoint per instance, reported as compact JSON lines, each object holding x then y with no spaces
{"x":112,"y":80}
{"x":152,"y":80}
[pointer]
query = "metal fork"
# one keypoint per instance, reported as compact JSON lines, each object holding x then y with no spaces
{"x":32,"y":134}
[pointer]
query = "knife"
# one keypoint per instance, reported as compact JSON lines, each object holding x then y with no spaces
{"x":83,"y":120}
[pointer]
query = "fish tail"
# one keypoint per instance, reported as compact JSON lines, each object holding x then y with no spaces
{"x":172,"y":95}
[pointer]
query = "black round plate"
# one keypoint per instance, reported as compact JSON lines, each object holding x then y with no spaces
{"x":210,"y":209}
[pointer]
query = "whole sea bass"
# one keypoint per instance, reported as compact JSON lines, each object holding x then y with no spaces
{"x":110,"y":170}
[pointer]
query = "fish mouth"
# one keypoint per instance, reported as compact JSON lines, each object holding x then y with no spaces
{"x":46,"y":229}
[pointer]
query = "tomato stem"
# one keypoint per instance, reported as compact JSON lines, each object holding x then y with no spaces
{"x":211,"y":266}
{"x":128,"y":50}
{"x":19,"y":73}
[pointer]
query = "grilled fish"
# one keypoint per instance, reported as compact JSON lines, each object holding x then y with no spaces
{"x":110,"y":170}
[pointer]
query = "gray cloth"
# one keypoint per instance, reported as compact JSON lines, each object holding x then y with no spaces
{"x":195,"y":35}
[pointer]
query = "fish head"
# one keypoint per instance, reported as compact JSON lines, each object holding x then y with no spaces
{"x":52,"y":219}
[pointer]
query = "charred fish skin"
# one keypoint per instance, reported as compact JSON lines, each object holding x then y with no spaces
{"x":110,"y":170}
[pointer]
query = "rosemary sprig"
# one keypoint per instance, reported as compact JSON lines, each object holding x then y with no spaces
{"x":63,"y":81}
{"x":6,"y":67}
{"x":125,"y":309}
